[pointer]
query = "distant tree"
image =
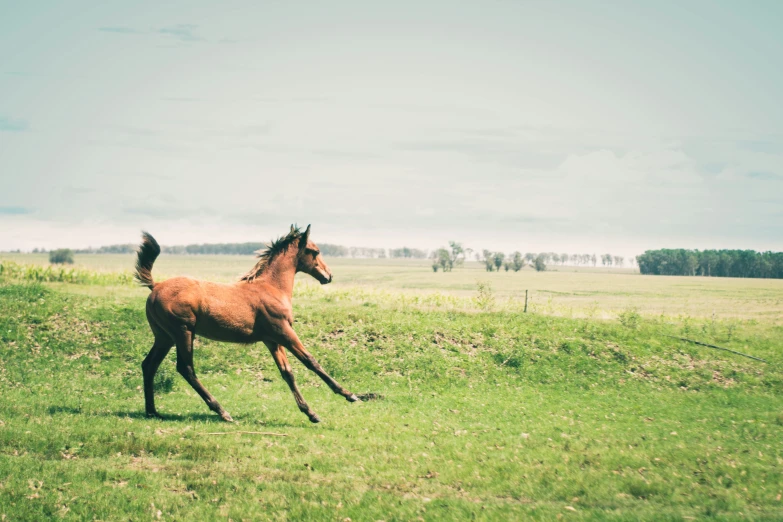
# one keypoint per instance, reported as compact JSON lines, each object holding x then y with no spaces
{"x":457,"y":253}
{"x":517,"y":261}
{"x":61,"y":256}
{"x":606,"y":259}
{"x":724,"y":267}
{"x":540,"y":263}
{"x":593,"y":259}
{"x":499,"y":256}
{"x":563,"y":259}
{"x":708,"y":260}
{"x":575,"y":258}
{"x":691,"y":262}
{"x":507,"y":265}
{"x":556,"y":258}
{"x":618,"y":260}
{"x":489,"y":260}
{"x":435,"y":266}
{"x":365,"y":252}
{"x":327,"y":249}
{"x":443,"y":258}
{"x":530,"y":257}
{"x":405,"y":252}
{"x":127,"y":249}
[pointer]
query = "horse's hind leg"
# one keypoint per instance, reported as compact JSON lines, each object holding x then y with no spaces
{"x":288,"y":376}
{"x":149,"y":367}
{"x":184,"y":340}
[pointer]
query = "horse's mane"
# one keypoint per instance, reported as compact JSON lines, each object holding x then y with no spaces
{"x":266,"y":255}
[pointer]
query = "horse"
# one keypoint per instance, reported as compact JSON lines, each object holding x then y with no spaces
{"x":255,"y":308}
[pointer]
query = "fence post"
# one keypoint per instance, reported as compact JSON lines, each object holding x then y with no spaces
{"x":525,"y":302}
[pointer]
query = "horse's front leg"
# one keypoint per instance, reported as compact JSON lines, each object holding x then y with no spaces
{"x":278,"y":353}
{"x":292,"y":342}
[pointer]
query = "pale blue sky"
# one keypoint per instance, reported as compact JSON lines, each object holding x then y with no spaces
{"x":587,"y":126}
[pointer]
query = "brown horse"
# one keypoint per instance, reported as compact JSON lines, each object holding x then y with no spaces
{"x":256,"y":308}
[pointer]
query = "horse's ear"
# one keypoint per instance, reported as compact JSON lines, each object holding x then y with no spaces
{"x":304,"y":238}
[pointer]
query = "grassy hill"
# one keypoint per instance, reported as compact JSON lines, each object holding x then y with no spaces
{"x":491,"y":415}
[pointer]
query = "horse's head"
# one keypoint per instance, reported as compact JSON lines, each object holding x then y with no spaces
{"x":310,"y":260}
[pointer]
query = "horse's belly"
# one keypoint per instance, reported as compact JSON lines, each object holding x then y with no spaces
{"x":227,"y":337}
{"x":226,"y":330}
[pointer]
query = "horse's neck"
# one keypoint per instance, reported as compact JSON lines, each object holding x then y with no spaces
{"x":281,"y":273}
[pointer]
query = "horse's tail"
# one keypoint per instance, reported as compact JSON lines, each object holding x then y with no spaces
{"x":147,"y":254}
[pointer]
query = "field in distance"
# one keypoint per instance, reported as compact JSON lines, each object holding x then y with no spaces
{"x":561,"y":290}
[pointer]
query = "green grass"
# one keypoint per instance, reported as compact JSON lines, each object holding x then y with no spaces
{"x":62,"y":274}
{"x":487,"y":415}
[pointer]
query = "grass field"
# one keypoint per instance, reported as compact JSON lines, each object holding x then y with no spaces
{"x":580,"y":409}
{"x":565,"y":291}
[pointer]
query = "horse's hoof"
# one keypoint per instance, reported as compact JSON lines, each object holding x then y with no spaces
{"x":352,"y":398}
{"x":226,"y":417}
{"x":370,"y":396}
{"x":315,"y":419}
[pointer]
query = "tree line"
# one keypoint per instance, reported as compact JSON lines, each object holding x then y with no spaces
{"x":445,"y":259}
{"x":516,"y":261}
{"x":245,"y":249}
{"x":712,"y":263}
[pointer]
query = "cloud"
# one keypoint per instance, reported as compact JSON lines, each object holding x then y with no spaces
{"x":15,"y":211}
{"x":153,"y":211}
{"x":339,"y":154}
{"x":120,"y":30}
{"x":182,"y":99}
{"x":182,"y":32}
{"x":765,"y":146}
{"x":765,"y":176}
{"x":11,"y":125}
{"x":738,"y":160}
{"x":599,"y":194}
{"x":490,"y":149}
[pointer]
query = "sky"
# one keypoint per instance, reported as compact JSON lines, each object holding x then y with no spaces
{"x":508,"y":125}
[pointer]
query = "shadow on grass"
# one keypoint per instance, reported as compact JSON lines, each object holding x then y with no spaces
{"x":69,"y":410}
{"x":283,"y":424}
{"x":206,"y":417}
{"x":164,"y":417}
{"x":54,"y":410}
